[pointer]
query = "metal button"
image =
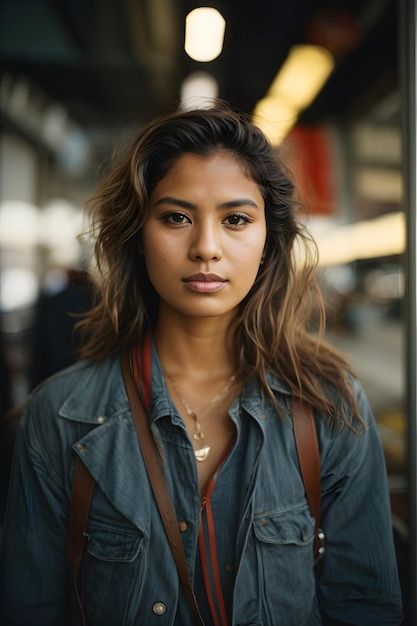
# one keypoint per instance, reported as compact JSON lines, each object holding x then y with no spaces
{"x":263,"y":416}
{"x":100,"y":419}
{"x":304,"y":536}
{"x":159,"y":608}
{"x":230,"y":567}
{"x":183,"y":526}
{"x":80,"y":447}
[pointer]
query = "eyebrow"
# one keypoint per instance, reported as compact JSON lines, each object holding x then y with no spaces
{"x":230,"y":204}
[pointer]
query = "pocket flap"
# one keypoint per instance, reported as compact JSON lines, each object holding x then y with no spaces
{"x":284,"y":528}
{"x":113,"y":545}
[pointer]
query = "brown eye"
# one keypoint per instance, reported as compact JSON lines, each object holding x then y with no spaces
{"x":176,"y":218}
{"x":237,"y":219}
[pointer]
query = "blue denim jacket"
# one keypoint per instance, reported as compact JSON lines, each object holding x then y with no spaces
{"x":130,"y":575}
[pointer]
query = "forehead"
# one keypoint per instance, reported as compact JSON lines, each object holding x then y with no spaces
{"x":213,"y":179}
{"x":220,"y":164}
{"x":208,"y":180}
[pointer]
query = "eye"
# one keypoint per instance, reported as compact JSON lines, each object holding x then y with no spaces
{"x":176,"y":218}
{"x":237,"y":219}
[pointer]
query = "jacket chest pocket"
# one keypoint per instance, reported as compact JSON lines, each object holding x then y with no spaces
{"x":283,"y":548}
{"x":115,"y":570}
{"x":295,"y":528}
{"x":112,"y":545}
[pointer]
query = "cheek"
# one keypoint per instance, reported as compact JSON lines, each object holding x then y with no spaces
{"x":249,"y":265}
{"x":252,"y":254}
{"x":155,"y":261}
{"x":160,"y":261}
{"x":155,"y":249}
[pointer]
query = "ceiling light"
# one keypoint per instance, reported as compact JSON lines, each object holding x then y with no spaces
{"x":298,"y":82}
{"x":198,"y":91}
{"x":275,"y":118}
{"x":204,"y":34}
{"x":302,"y":76}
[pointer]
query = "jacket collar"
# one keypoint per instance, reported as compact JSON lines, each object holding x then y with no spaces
{"x":100,"y":399}
{"x":99,"y":393}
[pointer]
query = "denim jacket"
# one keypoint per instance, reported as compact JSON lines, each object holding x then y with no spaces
{"x":130,"y":575}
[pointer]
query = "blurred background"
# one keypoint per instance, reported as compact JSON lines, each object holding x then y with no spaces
{"x":325,"y":81}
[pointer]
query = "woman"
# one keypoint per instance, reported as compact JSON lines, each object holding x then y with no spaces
{"x":200,"y":281}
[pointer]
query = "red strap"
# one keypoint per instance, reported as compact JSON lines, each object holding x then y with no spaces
{"x":212,"y":545}
{"x":142,"y":369}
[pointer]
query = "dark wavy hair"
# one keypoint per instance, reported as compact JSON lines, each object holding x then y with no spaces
{"x":271,"y":331}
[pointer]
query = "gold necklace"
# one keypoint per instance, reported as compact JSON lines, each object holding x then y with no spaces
{"x":202,"y":453}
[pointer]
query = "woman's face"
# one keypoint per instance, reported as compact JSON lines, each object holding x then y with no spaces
{"x":204,"y":236}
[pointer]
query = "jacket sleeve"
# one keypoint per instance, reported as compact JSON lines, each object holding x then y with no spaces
{"x":33,"y":570}
{"x":357,"y":578}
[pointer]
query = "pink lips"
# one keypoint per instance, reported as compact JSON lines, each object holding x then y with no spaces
{"x":205,"y":283}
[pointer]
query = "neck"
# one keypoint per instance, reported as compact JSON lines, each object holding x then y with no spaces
{"x":194,"y":347}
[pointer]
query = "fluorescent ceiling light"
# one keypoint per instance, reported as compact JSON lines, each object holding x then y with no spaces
{"x":274,"y":118}
{"x":204,"y":34}
{"x":298,"y":82}
{"x":302,"y":76}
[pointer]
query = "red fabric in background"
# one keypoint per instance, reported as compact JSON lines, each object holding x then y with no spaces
{"x":308,"y":154}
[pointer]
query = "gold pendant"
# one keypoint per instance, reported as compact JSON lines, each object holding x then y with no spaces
{"x":202,"y":454}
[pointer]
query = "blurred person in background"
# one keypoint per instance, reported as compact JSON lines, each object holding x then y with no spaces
{"x":7,"y":426}
{"x":65,"y":295}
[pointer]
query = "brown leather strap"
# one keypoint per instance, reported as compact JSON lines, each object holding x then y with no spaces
{"x":82,"y":491}
{"x":305,"y":433}
{"x":159,"y":487}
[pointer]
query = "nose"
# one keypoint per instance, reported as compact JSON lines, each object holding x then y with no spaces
{"x":206,"y":242}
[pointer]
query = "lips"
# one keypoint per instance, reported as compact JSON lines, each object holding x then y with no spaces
{"x":205,"y":278}
{"x":205,"y":283}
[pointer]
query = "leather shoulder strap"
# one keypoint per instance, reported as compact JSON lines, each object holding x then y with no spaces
{"x":158,"y":484}
{"x":305,"y":433}
{"x":82,"y":492}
